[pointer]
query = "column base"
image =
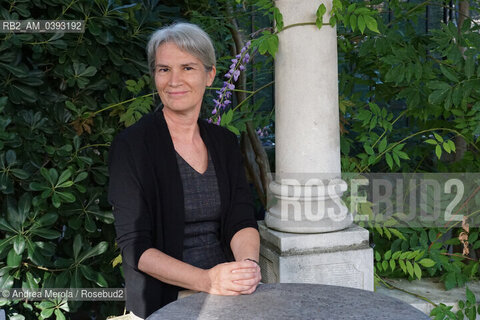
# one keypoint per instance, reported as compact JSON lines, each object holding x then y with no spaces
{"x":274,"y":221}
{"x":342,"y":258}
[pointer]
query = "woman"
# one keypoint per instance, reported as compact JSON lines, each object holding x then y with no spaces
{"x":181,"y":201}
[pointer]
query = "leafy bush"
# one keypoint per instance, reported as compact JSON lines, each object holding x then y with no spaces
{"x":62,"y":99}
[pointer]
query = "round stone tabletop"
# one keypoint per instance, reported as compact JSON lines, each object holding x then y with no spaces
{"x":291,"y":301}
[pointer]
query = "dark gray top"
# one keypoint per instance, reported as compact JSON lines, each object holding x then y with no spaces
{"x":291,"y":301}
{"x":201,"y":243}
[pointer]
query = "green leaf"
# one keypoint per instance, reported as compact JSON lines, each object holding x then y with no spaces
{"x":371,"y":23}
{"x":438,"y":96}
{"x":353,"y":22}
{"x":368,"y":149}
{"x":46,"y":220}
{"x":438,"y":151}
{"x":66,"y":184}
{"x":427,"y":263}
{"x":452,"y":145}
{"x":5,"y":226}
{"x":46,"y":233}
{"x":13,"y":259}
{"x":438,"y":137}
{"x":409,"y":268}
{"x":385,"y":265}
{"x":450,"y":281}
{"x":438,"y":85}
{"x":91,"y":275}
{"x":20,"y":174}
{"x":95,"y":251}
{"x":392,"y":264}
{"x":64,"y":177}
{"x":76,"y":281}
{"x":457,"y":95}
{"x":378,"y":257}
{"x":11,"y":157}
{"x":90,"y":225}
{"x":387,"y":255}
{"x":320,"y":13}
{"x":65,"y":196}
{"x":402,"y":155}
{"x":382,"y":145}
{"x":62,"y":279}
{"x":417,"y":270}
{"x":277,"y":15}
{"x":470,"y":296}
{"x":361,"y":23}
{"x":402,"y":266}
{"x":46,"y":313}
{"x":389,"y":160}
{"x":469,"y":66}
{"x":19,"y":244}
{"x":447,"y":73}
{"x":446,"y":147}
{"x":272,"y":43}
{"x":396,"y":254}
{"x":77,"y":245}
{"x":431,"y":141}
{"x":59,"y":315}
{"x":337,"y":4}
{"x":81,"y":176}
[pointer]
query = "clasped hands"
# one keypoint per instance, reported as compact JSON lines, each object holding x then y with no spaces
{"x":234,"y":278}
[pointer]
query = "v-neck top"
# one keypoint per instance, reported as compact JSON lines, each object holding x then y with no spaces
{"x":201,"y":240}
{"x":147,"y":195}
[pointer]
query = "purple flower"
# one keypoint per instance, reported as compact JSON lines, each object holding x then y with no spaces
{"x":225,"y":93}
{"x":236,"y":74}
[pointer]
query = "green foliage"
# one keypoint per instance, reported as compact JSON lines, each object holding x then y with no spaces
{"x":62,"y":99}
{"x":466,"y":309}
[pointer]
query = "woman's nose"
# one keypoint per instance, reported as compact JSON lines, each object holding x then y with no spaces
{"x":175,"y":78}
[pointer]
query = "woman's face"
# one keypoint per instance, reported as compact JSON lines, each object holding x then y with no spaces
{"x":180,"y":78}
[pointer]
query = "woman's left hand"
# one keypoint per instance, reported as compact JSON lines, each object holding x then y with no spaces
{"x":253,"y":282}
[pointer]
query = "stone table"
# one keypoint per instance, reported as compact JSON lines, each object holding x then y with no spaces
{"x":291,"y":301}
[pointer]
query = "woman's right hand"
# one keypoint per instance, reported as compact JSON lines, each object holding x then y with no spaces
{"x":222,"y":277}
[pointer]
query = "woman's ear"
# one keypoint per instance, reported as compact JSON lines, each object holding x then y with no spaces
{"x":211,"y":76}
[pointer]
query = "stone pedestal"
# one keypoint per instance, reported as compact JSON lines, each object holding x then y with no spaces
{"x":343,"y":258}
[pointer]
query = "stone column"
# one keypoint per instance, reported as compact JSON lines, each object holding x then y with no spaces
{"x":305,"y":193}
{"x":306,"y":187}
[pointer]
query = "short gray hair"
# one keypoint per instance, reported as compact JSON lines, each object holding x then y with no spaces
{"x":187,"y":37}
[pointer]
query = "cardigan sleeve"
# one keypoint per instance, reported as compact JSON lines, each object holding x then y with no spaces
{"x":132,"y":223}
{"x":242,"y":209}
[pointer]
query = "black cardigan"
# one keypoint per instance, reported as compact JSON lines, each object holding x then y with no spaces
{"x":146,"y":193}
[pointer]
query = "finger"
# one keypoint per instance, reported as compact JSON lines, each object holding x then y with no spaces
{"x":243,"y":264}
{"x":250,"y":291}
{"x":251,"y":270}
{"x":248,"y":282}
{"x":243,"y":276}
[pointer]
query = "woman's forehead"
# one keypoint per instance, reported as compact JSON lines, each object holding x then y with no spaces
{"x":170,"y":51}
